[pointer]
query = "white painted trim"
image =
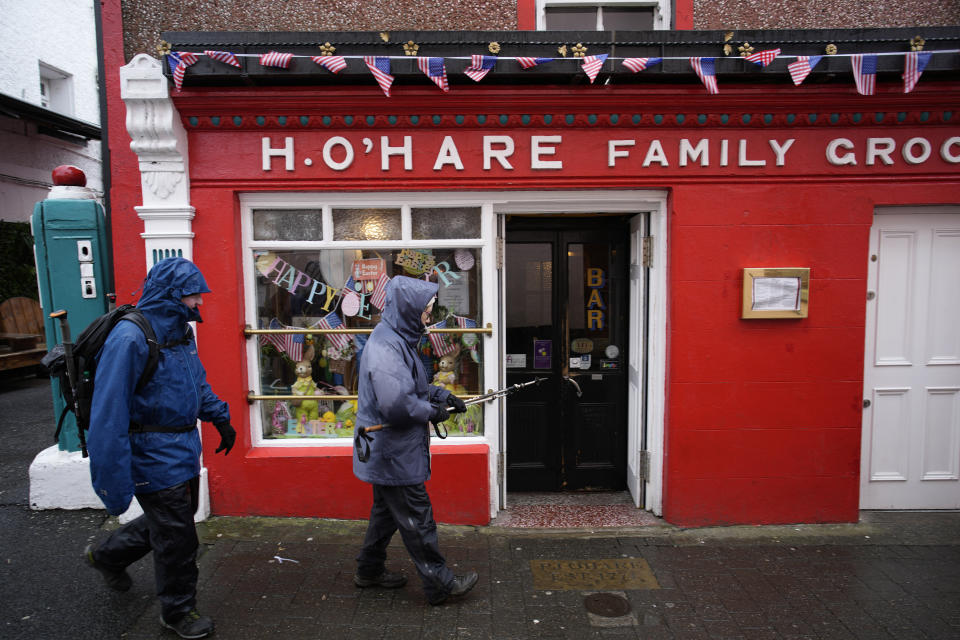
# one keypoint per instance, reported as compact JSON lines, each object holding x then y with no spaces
{"x":325,"y":202}
{"x":662,"y":10}
{"x":611,"y":201}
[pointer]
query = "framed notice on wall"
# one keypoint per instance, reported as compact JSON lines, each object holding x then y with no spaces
{"x":775,"y":292}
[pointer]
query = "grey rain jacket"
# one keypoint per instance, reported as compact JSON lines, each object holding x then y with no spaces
{"x":394,"y":389}
{"x":123,"y":463}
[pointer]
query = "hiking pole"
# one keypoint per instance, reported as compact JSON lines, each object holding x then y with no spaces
{"x":362,"y":439}
{"x":61,"y":315}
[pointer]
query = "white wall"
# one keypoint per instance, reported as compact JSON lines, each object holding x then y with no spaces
{"x":61,"y":34}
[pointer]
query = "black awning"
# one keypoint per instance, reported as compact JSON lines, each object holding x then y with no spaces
{"x":674,"y":47}
{"x":49,"y":122}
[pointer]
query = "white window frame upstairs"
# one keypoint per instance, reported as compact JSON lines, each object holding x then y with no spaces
{"x":661,"y":10}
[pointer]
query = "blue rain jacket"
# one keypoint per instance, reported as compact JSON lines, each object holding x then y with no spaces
{"x":123,"y":463}
{"x":394,"y":389}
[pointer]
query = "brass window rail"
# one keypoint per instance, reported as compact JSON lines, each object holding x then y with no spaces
{"x":253,"y":397}
{"x":248,"y":331}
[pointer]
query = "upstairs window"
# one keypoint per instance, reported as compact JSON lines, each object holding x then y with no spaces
{"x":56,"y":90}
{"x":609,"y":15}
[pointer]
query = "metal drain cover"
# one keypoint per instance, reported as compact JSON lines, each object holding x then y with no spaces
{"x":607,"y":605}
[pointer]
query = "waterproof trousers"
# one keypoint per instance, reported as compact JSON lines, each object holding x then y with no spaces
{"x":166,"y":528}
{"x":408,"y":509}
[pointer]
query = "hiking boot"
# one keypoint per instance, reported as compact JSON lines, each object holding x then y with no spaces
{"x":387,"y":580}
{"x":461,"y":585}
{"x":190,"y":625}
{"x":116,"y":580}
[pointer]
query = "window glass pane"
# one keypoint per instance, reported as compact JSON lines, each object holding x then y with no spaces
{"x":443,"y":223}
{"x":304,"y":289}
{"x":627,"y":18}
{"x":570,"y":18}
{"x":529,"y":298}
{"x":366,"y":224}
{"x":287,"y":224}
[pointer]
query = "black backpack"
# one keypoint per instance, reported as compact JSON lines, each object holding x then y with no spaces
{"x":78,"y":396}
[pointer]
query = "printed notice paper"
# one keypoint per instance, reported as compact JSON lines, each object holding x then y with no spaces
{"x":776,"y":294}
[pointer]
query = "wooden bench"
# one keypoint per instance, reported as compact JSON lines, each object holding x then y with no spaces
{"x":22,"y":342}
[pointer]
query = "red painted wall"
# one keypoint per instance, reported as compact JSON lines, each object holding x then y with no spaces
{"x":763,"y":417}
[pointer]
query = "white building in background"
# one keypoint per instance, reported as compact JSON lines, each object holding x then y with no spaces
{"x":49,"y":99}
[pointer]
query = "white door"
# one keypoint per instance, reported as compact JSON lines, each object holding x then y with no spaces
{"x":637,"y":464}
{"x":911,"y":426}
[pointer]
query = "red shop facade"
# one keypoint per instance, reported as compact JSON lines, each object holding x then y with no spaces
{"x":742,"y":305}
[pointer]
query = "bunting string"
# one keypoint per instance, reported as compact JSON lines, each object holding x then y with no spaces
{"x":863,"y":65}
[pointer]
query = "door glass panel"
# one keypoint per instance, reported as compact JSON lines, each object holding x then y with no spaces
{"x":529,"y":298}
{"x":588,"y":295}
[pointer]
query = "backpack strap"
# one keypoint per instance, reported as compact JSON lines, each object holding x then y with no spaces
{"x":153,"y":358}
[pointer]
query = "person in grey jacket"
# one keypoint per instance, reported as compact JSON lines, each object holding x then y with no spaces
{"x":395,"y":390}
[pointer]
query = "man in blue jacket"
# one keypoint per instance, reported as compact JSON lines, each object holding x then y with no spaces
{"x":394,"y":390}
{"x":145,"y":443}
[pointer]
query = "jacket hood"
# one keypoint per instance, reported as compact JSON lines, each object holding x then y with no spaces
{"x":168,"y":281}
{"x":406,"y":300}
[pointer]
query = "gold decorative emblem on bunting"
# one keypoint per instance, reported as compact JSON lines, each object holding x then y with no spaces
{"x":745,"y":49}
{"x":916,"y":43}
{"x":494,"y":48}
{"x":163,"y":48}
{"x":727,"y":48}
{"x":327,"y":49}
{"x":579,"y":50}
{"x":410,"y":48}
{"x":562,"y":50}
{"x":831,"y":50}
{"x":385,"y":36}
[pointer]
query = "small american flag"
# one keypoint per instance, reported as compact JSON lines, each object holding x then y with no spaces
{"x":440,"y":346}
{"x":864,"y":73}
{"x":335,"y":64}
{"x":915,"y":63}
{"x":639,"y":64}
{"x":380,"y":292}
{"x":380,"y":68}
{"x":223,"y":56}
{"x":763,"y":58}
{"x":704,"y":68}
{"x":291,"y":344}
{"x":526,"y":63}
{"x":435,"y":70}
{"x":480,"y":66}
{"x":294,"y":344}
{"x":800,"y":69}
{"x":276,"y":59}
{"x":466,"y":323}
{"x":592,"y":65}
{"x":179,"y":61}
{"x":332,"y":321}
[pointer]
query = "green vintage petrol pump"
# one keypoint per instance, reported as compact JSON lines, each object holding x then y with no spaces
{"x":70,"y":241}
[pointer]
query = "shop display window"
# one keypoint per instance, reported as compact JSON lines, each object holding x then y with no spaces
{"x":322,"y":303}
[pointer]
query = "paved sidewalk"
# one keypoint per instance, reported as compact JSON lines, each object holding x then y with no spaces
{"x":891,"y":576}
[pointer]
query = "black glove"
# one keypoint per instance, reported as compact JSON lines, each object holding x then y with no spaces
{"x":228,"y":435}
{"x":456,"y":403}
{"x":439,"y":415}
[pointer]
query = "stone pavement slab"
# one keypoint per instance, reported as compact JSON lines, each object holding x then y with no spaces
{"x":292,"y":578}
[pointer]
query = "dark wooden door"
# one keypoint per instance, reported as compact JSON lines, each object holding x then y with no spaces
{"x":566,"y":321}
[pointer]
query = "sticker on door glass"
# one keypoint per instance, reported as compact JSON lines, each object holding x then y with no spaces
{"x":516,"y":361}
{"x":585,"y":361}
{"x":612,"y":351}
{"x":542,"y":354}
{"x":581,"y":345}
